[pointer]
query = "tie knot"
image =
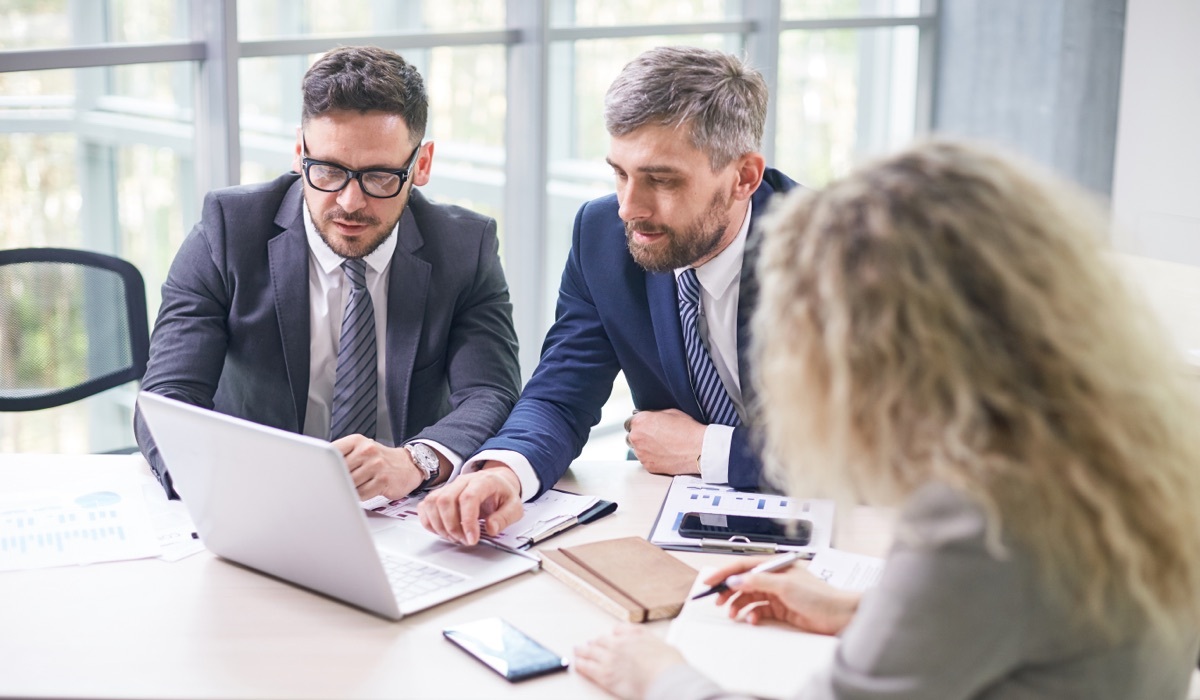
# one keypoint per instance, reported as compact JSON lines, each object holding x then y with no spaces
{"x":356,"y":272}
{"x":689,"y":287}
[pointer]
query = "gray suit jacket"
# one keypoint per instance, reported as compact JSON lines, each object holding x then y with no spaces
{"x":233,"y":330}
{"x":949,"y":621}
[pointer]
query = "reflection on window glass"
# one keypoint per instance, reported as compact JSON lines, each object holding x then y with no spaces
{"x":39,"y":191}
{"x":165,"y":89}
{"x":39,"y":24}
{"x":143,"y":21}
{"x":843,"y":95}
{"x":34,"y":24}
{"x":264,"y":19}
{"x":587,"y":13}
{"x":826,"y":9}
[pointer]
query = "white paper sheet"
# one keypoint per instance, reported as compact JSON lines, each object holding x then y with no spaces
{"x":770,"y":660}
{"x":76,"y":525}
{"x":846,"y":570}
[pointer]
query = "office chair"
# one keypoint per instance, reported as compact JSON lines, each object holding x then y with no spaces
{"x":72,"y":324}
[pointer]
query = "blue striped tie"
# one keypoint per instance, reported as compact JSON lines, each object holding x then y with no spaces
{"x":355,"y":386}
{"x":706,"y":383}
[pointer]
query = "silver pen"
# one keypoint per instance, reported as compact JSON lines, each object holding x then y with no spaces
{"x":782,"y":561}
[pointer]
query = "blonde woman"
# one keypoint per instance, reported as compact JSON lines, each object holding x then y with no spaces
{"x":940,"y":332}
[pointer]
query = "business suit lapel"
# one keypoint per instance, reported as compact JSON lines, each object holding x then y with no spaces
{"x":664,"y":314}
{"x":288,"y":255}
{"x":408,"y":289}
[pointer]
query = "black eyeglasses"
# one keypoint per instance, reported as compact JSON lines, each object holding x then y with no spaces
{"x":376,"y":182}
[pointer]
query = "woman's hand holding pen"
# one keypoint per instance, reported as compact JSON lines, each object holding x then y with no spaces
{"x":793,"y":596}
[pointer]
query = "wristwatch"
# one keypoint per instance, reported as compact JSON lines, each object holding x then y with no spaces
{"x":426,"y":460}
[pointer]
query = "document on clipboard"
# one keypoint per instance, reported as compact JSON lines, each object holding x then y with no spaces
{"x":690,"y":494}
{"x":549,"y":514}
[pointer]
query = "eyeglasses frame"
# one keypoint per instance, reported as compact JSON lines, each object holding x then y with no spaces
{"x":403,"y":173}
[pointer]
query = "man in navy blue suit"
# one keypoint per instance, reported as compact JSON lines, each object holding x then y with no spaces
{"x":659,"y":284}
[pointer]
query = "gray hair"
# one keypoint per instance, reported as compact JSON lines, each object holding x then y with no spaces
{"x":721,"y":100}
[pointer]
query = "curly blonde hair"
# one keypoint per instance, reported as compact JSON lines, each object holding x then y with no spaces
{"x":946,"y":314}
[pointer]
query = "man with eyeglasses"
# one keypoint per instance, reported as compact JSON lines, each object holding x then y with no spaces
{"x":337,"y":301}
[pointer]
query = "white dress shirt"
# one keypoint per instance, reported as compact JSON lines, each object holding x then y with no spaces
{"x":720,"y":291}
{"x":328,"y":290}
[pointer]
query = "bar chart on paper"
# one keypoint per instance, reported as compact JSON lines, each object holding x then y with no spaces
{"x":49,"y":528}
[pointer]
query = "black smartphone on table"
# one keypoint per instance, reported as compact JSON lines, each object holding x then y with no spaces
{"x":755,"y":528}
{"x":505,"y":649}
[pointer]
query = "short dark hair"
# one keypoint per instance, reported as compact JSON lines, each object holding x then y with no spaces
{"x":366,"y":78}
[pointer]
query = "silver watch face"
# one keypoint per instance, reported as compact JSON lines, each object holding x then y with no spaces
{"x":425,"y":458}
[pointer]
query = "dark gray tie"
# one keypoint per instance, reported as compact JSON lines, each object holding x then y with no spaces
{"x":355,"y":386}
{"x":706,"y":383}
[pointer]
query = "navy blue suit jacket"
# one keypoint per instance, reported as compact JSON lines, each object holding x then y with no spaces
{"x":614,"y":316}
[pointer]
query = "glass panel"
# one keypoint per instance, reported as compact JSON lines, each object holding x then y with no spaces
{"x":94,"y":159}
{"x":843,"y":95}
{"x":264,"y":19}
{"x":587,"y":13}
{"x":40,"y":24}
{"x":827,"y":9}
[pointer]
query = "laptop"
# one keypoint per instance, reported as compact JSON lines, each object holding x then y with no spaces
{"x":283,"y":504}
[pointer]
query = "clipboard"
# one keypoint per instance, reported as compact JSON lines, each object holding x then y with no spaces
{"x":550,"y":514}
{"x":691,"y":494}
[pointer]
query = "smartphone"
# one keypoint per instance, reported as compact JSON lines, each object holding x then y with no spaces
{"x":791,"y":531}
{"x":505,"y":649}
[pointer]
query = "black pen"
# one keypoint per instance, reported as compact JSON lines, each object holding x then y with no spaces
{"x":782,"y":561}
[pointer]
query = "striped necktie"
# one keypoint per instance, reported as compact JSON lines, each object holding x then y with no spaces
{"x":355,"y":385}
{"x":706,"y":383}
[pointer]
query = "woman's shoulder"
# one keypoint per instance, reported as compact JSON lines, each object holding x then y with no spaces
{"x":938,"y":515}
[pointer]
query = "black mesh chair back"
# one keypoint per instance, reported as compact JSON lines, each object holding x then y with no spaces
{"x":72,"y":324}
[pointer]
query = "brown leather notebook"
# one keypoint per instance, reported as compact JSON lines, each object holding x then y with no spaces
{"x":628,"y":577}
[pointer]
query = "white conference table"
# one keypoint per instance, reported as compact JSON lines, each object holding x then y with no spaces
{"x":202,"y":627}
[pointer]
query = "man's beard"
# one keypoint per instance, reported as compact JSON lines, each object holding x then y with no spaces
{"x":681,"y":249}
{"x":360,"y":248}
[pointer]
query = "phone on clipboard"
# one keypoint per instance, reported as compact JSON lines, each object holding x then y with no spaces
{"x":718,"y":526}
{"x":505,"y":649}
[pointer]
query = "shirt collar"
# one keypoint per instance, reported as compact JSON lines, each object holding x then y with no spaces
{"x":329,"y":261}
{"x":718,"y":275}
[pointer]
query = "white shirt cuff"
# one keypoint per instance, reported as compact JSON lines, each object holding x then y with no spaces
{"x":714,"y":453}
{"x":514,"y":461}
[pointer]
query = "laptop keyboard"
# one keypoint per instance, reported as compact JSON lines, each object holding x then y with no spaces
{"x":410,"y":578}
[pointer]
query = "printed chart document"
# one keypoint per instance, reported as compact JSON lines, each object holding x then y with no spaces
{"x":75,"y":525}
{"x":689,"y":494}
{"x":770,"y":660}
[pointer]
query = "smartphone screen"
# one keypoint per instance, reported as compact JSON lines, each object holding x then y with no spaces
{"x":791,"y":531}
{"x":505,"y":649}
